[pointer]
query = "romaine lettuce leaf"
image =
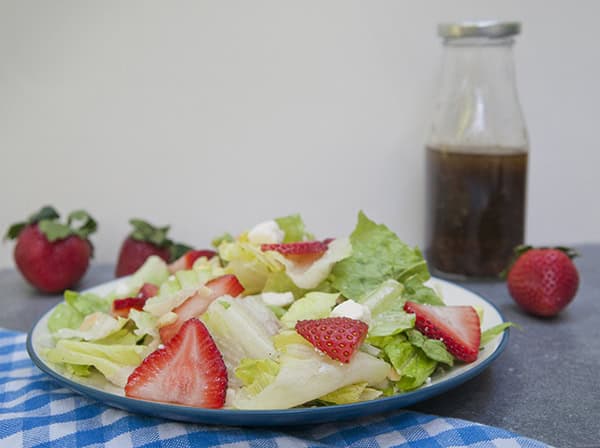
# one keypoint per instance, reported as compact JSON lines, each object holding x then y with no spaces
{"x":241,"y":328}
{"x":115,"y":362}
{"x":64,"y":316}
{"x":410,"y":363}
{"x":71,"y":313}
{"x":491,"y":333}
{"x":377,"y":255}
{"x":86,"y":303}
{"x":390,"y":323}
{"x":154,"y":270}
{"x":306,"y":375}
{"x":433,"y":348}
{"x":312,"y":275}
{"x":314,"y":305}
{"x":293,"y":228}
{"x":351,"y":394}
{"x":256,"y":374}
{"x":95,"y":326}
{"x":416,"y":291}
{"x":249,"y":264}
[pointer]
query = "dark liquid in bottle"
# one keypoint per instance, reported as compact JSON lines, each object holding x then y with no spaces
{"x":476,"y":209}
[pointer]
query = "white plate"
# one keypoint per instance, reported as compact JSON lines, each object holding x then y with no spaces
{"x":99,"y":389}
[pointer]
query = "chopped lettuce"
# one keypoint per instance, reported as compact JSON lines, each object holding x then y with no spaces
{"x":314,"y":305}
{"x":242,"y":329}
{"x":256,"y":374}
{"x":410,"y":363}
{"x":154,"y":270}
{"x":115,"y":362}
{"x":390,"y":323}
{"x":72,"y":311}
{"x":95,"y":326}
{"x":306,"y":375}
{"x":351,"y":394}
{"x":64,"y":316}
{"x":491,"y":333}
{"x":293,"y":228}
{"x":309,"y":276}
{"x":433,"y":348}
{"x":416,"y":291}
{"x":377,"y":255}
{"x":249,"y":264}
{"x":86,"y":303}
{"x":385,"y":297}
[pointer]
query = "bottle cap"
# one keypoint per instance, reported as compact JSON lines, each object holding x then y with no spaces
{"x":482,"y":28}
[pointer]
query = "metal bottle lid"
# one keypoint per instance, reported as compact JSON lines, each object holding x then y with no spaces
{"x":483,"y":28}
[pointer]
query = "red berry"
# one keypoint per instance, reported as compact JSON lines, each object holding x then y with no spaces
{"x":147,"y":290}
{"x":543,"y":281}
{"x":134,"y":253}
{"x":189,"y":370}
{"x":54,"y":266}
{"x":51,"y":255}
{"x":301,"y":252}
{"x":121,"y":307}
{"x":337,"y":337}
{"x":186,"y":261}
{"x":458,"y":327}
{"x":197,"y":304}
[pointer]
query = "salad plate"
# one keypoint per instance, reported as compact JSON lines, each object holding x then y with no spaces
{"x":98,"y":389}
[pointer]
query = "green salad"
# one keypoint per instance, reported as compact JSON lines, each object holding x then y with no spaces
{"x":271,"y":319}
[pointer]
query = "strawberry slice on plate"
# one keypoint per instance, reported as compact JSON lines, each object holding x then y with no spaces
{"x":458,"y":327}
{"x":337,"y":337}
{"x":188,"y":370}
{"x":196,"y":304}
{"x":121,"y":307}
{"x":186,"y":261}
{"x":302,"y":252}
{"x":148,"y":290}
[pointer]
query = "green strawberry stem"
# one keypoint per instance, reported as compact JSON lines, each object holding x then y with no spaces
{"x":157,"y":236}
{"x":47,"y":220}
{"x":148,"y":233}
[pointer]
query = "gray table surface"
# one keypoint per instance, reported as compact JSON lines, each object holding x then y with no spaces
{"x":544,"y":386}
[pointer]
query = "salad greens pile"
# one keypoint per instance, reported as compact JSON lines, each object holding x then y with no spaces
{"x":270,"y":366}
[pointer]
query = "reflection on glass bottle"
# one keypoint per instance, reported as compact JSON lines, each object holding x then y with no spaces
{"x":476,"y":156}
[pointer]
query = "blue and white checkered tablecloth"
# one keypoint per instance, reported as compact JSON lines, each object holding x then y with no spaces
{"x":36,"y":411}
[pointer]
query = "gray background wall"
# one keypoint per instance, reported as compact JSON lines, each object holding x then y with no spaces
{"x":215,"y":115}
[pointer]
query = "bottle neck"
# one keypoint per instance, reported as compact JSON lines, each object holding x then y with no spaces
{"x":478,"y":102}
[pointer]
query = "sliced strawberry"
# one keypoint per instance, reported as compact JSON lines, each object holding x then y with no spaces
{"x":188,"y":370}
{"x":301,"y":252}
{"x":337,"y":337}
{"x":121,"y":307}
{"x":186,"y":261}
{"x":197,"y":304}
{"x":147,"y":290}
{"x":458,"y":327}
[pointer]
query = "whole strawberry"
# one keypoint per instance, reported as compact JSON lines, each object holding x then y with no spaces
{"x":146,"y":240}
{"x":53,"y":256}
{"x":543,"y":281}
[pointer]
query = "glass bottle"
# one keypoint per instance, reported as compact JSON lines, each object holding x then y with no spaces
{"x":476,"y":154}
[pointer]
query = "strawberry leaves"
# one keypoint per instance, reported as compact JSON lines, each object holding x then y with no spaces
{"x":79,"y":223}
{"x":157,"y":236}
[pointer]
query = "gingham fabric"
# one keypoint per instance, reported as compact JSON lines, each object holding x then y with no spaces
{"x":36,"y":411}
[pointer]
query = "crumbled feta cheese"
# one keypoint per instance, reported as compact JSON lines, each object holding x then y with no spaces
{"x":267,"y":232}
{"x":353,"y":310}
{"x":277,"y":298}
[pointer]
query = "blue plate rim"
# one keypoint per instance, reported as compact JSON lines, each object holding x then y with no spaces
{"x":273,"y":417}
